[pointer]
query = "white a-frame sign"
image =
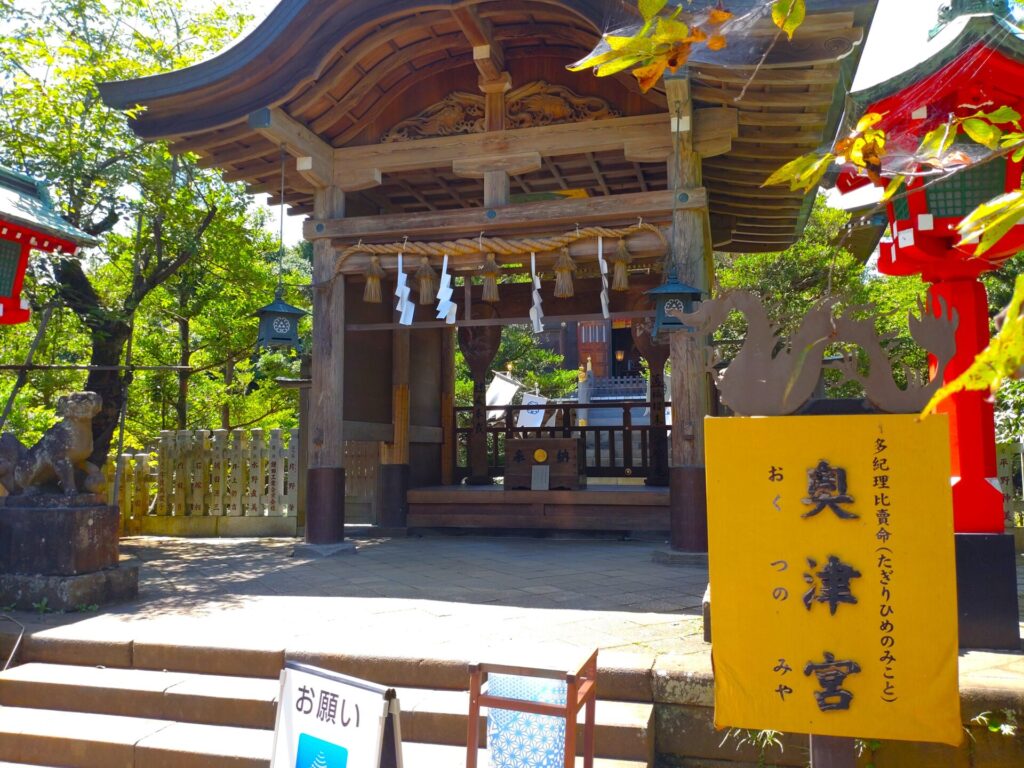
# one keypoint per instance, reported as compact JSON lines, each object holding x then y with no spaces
{"x":327,"y":720}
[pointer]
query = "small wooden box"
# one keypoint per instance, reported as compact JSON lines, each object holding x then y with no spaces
{"x":564,"y":456}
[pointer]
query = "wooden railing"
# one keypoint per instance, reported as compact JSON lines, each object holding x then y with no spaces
{"x":1010,"y":465}
{"x":200,"y":473}
{"x":612,"y":450}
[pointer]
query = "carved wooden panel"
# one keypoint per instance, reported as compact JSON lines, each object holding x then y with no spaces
{"x":533,"y":104}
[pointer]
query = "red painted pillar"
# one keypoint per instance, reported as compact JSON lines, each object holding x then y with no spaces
{"x":977,"y":502}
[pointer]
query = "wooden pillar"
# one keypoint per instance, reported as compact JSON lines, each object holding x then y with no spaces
{"x":448,"y":445}
{"x":302,"y":455}
{"x":480,"y":344}
{"x":325,"y":512}
{"x":394,"y":458}
{"x":690,"y":248}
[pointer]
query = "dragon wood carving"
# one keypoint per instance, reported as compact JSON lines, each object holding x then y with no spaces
{"x":530,"y":105}
{"x":773,"y":376}
{"x":756,"y":381}
{"x":933,"y":333}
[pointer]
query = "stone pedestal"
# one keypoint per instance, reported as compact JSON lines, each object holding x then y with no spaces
{"x":986,"y":586}
{"x":62,"y":552}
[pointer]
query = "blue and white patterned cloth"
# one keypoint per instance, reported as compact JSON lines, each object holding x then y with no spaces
{"x":520,"y":739}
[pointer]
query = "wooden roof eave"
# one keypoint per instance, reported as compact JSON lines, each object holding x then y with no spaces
{"x":298,"y":36}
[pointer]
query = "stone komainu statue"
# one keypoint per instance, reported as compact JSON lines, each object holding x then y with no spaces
{"x":60,"y":452}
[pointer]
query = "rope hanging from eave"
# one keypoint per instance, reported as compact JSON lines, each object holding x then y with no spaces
{"x":497,"y":245}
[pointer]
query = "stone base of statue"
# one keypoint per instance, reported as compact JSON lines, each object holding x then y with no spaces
{"x":61,"y":552}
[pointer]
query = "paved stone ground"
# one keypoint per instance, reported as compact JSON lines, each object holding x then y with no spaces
{"x":457,"y":598}
{"x":445,"y":597}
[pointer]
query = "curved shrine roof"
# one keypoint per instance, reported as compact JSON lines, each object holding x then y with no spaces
{"x":349,"y":71}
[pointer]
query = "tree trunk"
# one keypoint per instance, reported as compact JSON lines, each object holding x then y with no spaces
{"x":184,"y":357}
{"x":225,"y":408}
{"x":108,"y":342}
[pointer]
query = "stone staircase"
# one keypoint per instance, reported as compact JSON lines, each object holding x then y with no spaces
{"x":67,"y":705}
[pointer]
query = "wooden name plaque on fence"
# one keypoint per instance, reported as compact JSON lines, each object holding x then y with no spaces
{"x":563,"y":459}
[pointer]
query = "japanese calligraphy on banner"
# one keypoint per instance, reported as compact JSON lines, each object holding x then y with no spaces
{"x":832,"y":576}
{"x":326,"y":720}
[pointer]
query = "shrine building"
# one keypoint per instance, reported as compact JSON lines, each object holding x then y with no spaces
{"x":452,"y":136}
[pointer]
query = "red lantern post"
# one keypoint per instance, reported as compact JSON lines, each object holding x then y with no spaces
{"x":970,"y":69}
{"x":924,"y":242}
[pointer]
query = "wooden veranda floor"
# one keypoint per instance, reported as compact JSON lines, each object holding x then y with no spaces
{"x":597,"y":508}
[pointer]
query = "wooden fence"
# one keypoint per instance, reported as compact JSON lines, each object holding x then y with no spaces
{"x":1010,"y":466}
{"x":210,"y":473}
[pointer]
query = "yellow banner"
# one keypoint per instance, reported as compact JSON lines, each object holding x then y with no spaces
{"x":832,"y":576}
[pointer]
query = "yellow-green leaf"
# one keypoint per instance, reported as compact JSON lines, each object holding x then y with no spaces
{"x":893,"y":187}
{"x":999,"y":361}
{"x":938,"y":140}
{"x":790,"y":170}
{"x":650,"y":8}
{"x":592,"y":60}
{"x":671,"y":31}
{"x":802,"y":173}
{"x":1003,"y":114}
{"x":989,"y":222}
{"x":621,"y":42}
{"x":867,"y":121}
{"x":788,"y":15}
{"x":619,"y":64}
{"x":982,"y":132}
{"x":809,"y":178}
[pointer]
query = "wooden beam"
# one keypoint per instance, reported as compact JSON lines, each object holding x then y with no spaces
{"x":487,"y":53}
{"x":314,"y":155}
{"x":547,"y":141}
{"x":476,"y":167}
{"x":714,"y":129}
{"x":653,"y":207}
{"x":752,"y":98}
{"x":815,"y":76}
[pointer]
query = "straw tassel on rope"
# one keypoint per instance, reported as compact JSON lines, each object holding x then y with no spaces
{"x":620,"y":264}
{"x":564,"y":268}
{"x":374,"y":273}
{"x":426,"y":281}
{"x":490,"y":272}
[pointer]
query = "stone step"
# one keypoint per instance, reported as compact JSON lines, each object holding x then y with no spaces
{"x":416,"y":755}
{"x":624,"y":729}
{"x":208,"y":699}
{"x":622,"y":677}
{"x":80,"y":740}
{"x":85,"y":740}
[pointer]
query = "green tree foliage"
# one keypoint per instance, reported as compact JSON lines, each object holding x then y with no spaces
{"x":183,"y":260}
{"x":536,"y":367}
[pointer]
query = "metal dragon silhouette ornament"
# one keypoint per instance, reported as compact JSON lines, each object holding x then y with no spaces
{"x":774,"y":376}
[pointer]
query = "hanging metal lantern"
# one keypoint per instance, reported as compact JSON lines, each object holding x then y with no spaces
{"x":279,"y":320}
{"x":279,"y":324}
{"x":672,"y":295}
